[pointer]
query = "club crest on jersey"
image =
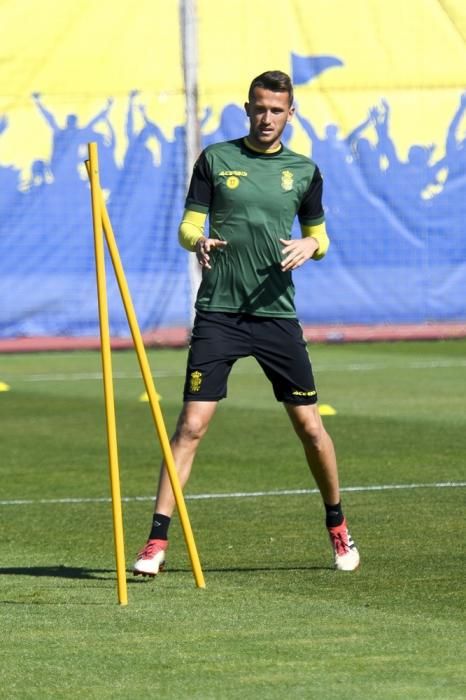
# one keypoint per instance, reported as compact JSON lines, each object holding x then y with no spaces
{"x":232,"y":182}
{"x":233,"y":177}
{"x":195,"y":381}
{"x":287,"y":180}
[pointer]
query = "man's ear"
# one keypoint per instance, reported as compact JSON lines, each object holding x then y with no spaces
{"x":291,"y":111}
{"x":246,"y":107}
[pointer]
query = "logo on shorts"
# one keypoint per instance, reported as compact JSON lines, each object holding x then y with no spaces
{"x":287,"y":180}
{"x":195,"y":382}
{"x":296,"y":392}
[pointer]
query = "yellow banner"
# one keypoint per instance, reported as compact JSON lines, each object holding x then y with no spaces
{"x":78,"y":55}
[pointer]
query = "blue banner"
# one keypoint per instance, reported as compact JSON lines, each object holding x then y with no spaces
{"x":388,"y":137}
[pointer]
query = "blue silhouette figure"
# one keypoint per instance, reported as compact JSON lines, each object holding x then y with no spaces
{"x":407,"y":181}
{"x":334,"y":156}
{"x":446,"y":220}
{"x":367,"y":156}
{"x":147,"y":206}
{"x":137,"y":186}
{"x":108,"y":170}
{"x":172,"y":156}
{"x":170,"y":188}
{"x":41,"y":175}
{"x":67,"y":154}
{"x":455,"y":147}
{"x":332,"y":150}
{"x":233,"y":124}
{"x":356,"y":183}
{"x":171,"y":151}
{"x":9,"y":181}
{"x":137,"y":150}
{"x":148,"y":188}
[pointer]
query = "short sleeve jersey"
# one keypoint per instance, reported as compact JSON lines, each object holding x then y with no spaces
{"x":252,"y":200}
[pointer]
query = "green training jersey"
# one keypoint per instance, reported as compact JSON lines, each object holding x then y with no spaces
{"x":252,"y":200}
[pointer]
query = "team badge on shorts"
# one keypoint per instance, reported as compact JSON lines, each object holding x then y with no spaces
{"x":195,"y":382}
{"x":287,"y":180}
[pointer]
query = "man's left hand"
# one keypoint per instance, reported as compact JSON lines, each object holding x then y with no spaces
{"x":297,"y":252}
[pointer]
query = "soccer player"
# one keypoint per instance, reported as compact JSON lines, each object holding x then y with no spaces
{"x":252,"y":188}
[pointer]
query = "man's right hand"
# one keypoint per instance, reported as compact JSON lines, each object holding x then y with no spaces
{"x":204,"y":246}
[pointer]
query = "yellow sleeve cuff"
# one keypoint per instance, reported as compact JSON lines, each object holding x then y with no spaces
{"x":191,"y":228}
{"x":320,"y":234}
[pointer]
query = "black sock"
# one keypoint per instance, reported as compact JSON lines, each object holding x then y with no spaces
{"x":333,"y":515}
{"x":160,"y":525}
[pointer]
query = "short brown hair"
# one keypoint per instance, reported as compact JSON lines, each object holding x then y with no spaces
{"x":274,"y":80}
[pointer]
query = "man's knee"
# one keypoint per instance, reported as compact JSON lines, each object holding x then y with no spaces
{"x":192,"y":425}
{"x":309,"y":427}
{"x":314,"y":433}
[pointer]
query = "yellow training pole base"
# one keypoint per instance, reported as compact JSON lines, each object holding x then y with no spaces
{"x":153,"y":397}
{"x":107,"y":373}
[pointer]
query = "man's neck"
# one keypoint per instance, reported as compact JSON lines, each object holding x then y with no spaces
{"x":258,"y":149}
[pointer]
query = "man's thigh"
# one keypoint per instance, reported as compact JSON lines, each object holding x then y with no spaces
{"x":281,"y":351}
{"x":217,"y":341}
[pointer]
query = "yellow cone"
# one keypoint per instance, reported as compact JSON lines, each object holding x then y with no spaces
{"x":144,"y":398}
{"x":4,"y":387}
{"x":326,"y":410}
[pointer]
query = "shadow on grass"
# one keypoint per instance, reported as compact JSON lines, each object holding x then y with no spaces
{"x":59,"y":571}
{"x":73,"y":572}
{"x":250,"y":569}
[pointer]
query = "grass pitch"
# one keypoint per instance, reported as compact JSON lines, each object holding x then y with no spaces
{"x":275,"y":619}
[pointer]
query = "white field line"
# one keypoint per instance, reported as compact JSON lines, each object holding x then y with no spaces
{"x":351,"y":367}
{"x":238,"y":494}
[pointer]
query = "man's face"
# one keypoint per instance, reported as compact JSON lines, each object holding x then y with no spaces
{"x":268,"y":114}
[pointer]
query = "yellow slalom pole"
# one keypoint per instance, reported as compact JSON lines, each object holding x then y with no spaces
{"x":152,"y":394}
{"x":93,"y":171}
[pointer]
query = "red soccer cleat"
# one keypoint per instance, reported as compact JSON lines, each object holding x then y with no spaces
{"x":151,"y":558}
{"x":344,"y":550}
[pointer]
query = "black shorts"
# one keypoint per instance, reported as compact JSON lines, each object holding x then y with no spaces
{"x":219,"y":339}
